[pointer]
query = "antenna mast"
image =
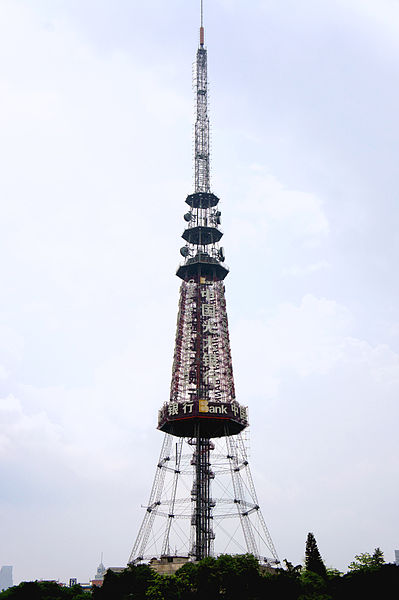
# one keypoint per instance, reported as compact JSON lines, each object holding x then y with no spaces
{"x":201,"y":157}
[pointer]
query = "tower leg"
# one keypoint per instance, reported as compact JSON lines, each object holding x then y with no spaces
{"x":236,"y":464}
{"x":171,"y":513}
{"x":252,"y":522}
{"x":153,"y":503}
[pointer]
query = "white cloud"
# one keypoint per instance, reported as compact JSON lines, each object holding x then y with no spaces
{"x":323,"y":408}
{"x":22,"y":433}
{"x":298,"y":271}
{"x":310,"y":339}
{"x":383,"y":15}
{"x":271,"y":197}
{"x":265,"y":208}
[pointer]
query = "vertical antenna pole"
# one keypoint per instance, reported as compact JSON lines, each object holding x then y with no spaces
{"x":202,"y":179}
{"x":202,"y":24}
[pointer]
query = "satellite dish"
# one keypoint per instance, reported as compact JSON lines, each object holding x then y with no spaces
{"x":187,"y":217}
{"x":184,"y":251}
{"x":221,"y":255}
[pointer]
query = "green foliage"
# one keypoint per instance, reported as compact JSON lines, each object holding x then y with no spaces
{"x":333,"y":573}
{"x":313,"y":560}
{"x":207,"y":579}
{"x":378,"y":557}
{"x":313,"y":586}
{"x":44,"y":590}
{"x":131,"y":584}
{"x":239,"y":575}
{"x":291,"y":569}
{"x":367,"y":561}
{"x":282,"y":584}
{"x":164,"y":587}
{"x":231,"y":578}
{"x":369,"y":584}
{"x":226,"y":576}
{"x":186,"y":577}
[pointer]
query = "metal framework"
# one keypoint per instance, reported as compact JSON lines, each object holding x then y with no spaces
{"x":203,"y":502}
{"x":202,"y":477}
{"x":202,"y":175}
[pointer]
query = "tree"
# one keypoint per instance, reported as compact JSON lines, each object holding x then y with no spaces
{"x":164,"y":587}
{"x":313,"y":560}
{"x":333,"y":573}
{"x":44,"y":590}
{"x":291,"y":569}
{"x":367,"y":561}
{"x":239,"y":576}
{"x":378,"y":558}
{"x":132,"y":583}
{"x":228,"y":577}
{"x":313,"y":586}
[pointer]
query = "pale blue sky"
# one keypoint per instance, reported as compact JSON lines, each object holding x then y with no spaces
{"x":96,"y":113}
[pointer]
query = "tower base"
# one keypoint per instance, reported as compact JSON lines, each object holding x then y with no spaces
{"x":178,"y":512}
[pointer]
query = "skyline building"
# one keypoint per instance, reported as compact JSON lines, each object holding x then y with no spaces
{"x":6,"y":577}
{"x":203,"y":500}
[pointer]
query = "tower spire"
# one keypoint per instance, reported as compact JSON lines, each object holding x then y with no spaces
{"x":202,"y":24}
{"x":202,"y":176}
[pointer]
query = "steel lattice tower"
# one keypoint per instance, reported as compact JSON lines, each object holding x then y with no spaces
{"x":202,"y":476}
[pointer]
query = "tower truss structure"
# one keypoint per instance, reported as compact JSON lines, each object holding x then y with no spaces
{"x":203,"y":500}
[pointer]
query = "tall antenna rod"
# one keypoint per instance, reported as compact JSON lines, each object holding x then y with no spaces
{"x":202,"y":24}
{"x":202,"y":179}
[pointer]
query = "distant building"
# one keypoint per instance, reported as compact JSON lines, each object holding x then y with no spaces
{"x":97,"y":581}
{"x":99,"y":576}
{"x":168,"y":565}
{"x":73,"y":581}
{"x":5,"y":578}
{"x":101,"y":570}
{"x":397,"y":557}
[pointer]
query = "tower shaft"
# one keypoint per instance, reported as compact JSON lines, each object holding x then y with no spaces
{"x":202,"y":514}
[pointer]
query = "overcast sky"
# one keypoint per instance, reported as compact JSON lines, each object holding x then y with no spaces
{"x":96,"y":113}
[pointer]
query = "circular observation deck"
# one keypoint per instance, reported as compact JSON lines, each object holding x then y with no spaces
{"x":204,"y":264}
{"x":202,"y":200}
{"x":202,"y":236}
{"x":202,"y":418}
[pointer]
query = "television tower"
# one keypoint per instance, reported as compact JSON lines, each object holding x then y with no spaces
{"x":202,"y":478}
